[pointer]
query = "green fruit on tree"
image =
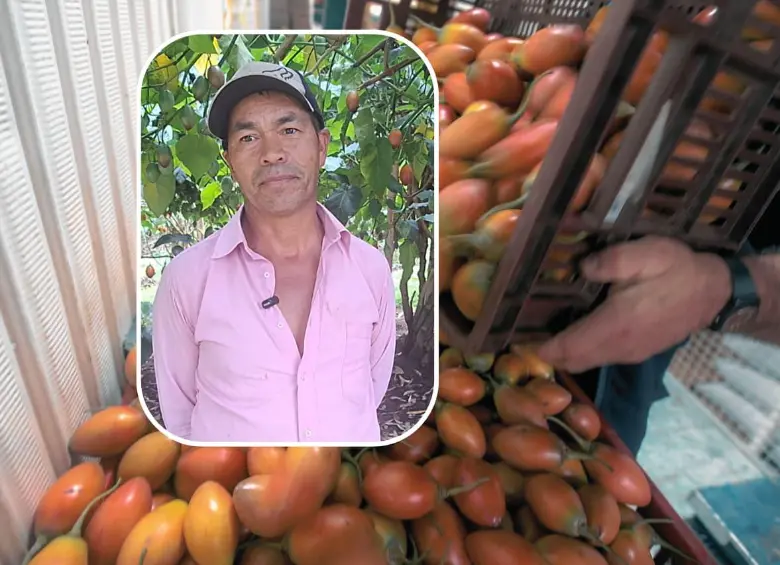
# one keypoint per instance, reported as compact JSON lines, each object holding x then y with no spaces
{"x":152,"y":172}
{"x":227,"y":184}
{"x":200,"y":89}
{"x":163,"y":156}
{"x":188,"y":117}
{"x":216,"y":76}
{"x":166,"y":100}
{"x":176,"y":249}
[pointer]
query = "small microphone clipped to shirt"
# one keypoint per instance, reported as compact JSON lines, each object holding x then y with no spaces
{"x":270,"y":302}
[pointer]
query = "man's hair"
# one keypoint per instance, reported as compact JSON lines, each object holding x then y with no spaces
{"x":314,"y":121}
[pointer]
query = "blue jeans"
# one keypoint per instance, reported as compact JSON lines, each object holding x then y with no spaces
{"x":625,"y":394}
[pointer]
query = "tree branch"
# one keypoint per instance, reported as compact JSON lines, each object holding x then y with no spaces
{"x":285,"y":47}
{"x":388,"y":72}
{"x":375,"y":49}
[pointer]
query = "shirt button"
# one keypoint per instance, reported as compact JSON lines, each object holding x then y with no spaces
{"x":266,"y":274}
{"x":308,"y":433}
{"x":279,"y":324}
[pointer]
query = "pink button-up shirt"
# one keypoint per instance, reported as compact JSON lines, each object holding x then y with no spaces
{"x":229,"y":370}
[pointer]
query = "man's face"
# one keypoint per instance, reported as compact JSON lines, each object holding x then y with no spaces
{"x":275,"y":152}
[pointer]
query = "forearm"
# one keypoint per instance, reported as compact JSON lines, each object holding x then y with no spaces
{"x":765,"y":270}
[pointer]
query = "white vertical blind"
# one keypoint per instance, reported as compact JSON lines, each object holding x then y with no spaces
{"x":69,"y":72}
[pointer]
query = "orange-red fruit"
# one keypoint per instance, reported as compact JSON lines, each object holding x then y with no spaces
{"x":470,"y":286}
{"x":109,"y":432}
{"x":115,"y":518}
{"x":552,"y":46}
{"x":461,"y":204}
{"x":353,"y":101}
{"x":406,"y":175}
{"x":65,"y":500}
{"x":478,"y":17}
{"x":448,"y":59}
{"x":457,"y":92}
{"x":495,"y":80}
{"x":395,"y":138}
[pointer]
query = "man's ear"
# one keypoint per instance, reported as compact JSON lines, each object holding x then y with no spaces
{"x":226,"y":157}
{"x":324,"y":137}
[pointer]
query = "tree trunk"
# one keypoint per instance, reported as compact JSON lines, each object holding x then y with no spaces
{"x":419,"y":344}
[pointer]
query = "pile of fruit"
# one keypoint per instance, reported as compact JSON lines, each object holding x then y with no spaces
{"x":507,"y":470}
{"x":501,"y":102}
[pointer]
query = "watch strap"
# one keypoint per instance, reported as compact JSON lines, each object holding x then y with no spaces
{"x":743,"y":292}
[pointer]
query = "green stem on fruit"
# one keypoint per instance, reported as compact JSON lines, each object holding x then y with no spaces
{"x":40,"y":543}
{"x":75,"y":531}
{"x":144,"y":551}
{"x":515,"y":204}
{"x":526,"y":100}
{"x":463,"y":245}
{"x":421,"y":23}
{"x":465,"y":488}
{"x":669,"y":547}
{"x":571,"y":454}
{"x":584,"y":444}
{"x":349,"y":459}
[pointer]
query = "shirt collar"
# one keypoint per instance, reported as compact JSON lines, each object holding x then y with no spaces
{"x":232,"y":235}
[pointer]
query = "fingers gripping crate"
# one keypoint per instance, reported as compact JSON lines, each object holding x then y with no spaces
{"x":698,"y":159}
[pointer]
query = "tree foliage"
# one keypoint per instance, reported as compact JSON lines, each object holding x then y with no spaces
{"x":187,"y":188}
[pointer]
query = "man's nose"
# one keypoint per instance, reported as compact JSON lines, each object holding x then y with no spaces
{"x":273,"y":152}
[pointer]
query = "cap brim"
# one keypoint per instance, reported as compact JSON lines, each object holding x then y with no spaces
{"x":235,"y":91}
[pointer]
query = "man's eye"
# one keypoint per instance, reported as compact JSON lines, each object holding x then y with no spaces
{"x":247,"y":138}
{"x":290,"y":131}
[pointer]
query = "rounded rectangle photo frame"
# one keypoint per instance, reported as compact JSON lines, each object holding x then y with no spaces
{"x":296,"y":232}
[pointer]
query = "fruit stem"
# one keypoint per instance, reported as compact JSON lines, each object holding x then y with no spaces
{"x":466,"y":488}
{"x":511,"y":205}
{"x":349,"y":459}
{"x":464,"y":245}
{"x":669,"y":547}
{"x":40,"y":542}
{"x":75,"y":531}
{"x":144,"y":551}
{"x":588,"y":457}
{"x":419,"y":22}
{"x":513,"y":119}
{"x":584,"y":444}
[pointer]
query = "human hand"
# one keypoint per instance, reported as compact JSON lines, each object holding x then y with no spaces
{"x":662,"y":292}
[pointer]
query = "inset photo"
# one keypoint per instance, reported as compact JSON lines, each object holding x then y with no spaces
{"x":286,"y":231}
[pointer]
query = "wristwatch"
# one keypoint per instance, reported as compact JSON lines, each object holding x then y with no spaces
{"x":742,"y":308}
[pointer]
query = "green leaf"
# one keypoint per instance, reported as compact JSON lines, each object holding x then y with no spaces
{"x":394,"y":185}
{"x":364,"y":126}
{"x":344,"y":202}
{"x":374,"y":208}
{"x":159,"y":194}
{"x":381,"y":168}
{"x":239,"y":55}
{"x":407,"y":254}
{"x":209,"y":194}
{"x":202,"y":43}
{"x":197,"y":152}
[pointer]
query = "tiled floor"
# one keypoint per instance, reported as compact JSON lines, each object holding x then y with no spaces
{"x":684,"y":450}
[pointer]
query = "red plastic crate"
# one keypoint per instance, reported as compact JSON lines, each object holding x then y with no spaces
{"x":677,"y":533}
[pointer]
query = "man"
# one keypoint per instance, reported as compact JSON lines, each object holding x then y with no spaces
{"x":662,"y":292}
{"x":280,"y":327}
